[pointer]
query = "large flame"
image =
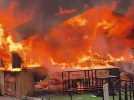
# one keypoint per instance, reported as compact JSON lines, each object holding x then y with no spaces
{"x":8,"y":45}
{"x":96,"y":37}
{"x":99,"y":30}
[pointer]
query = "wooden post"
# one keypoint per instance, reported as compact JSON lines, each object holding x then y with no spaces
{"x":2,"y":82}
{"x":106,"y":91}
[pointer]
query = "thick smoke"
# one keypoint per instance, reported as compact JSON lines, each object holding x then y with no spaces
{"x":45,"y":12}
{"x":123,"y":6}
{"x":45,"y":16}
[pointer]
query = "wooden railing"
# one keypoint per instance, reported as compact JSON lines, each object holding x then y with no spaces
{"x":85,"y":80}
{"x":89,"y":81}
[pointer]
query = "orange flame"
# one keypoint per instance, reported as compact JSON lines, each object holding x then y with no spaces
{"x":96,"y":29}
{"x":95,"y":37}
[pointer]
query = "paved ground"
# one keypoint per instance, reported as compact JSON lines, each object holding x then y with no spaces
{"x":57,"y":97}
{"x":8,"y":98}
{"x":12,"y":98}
